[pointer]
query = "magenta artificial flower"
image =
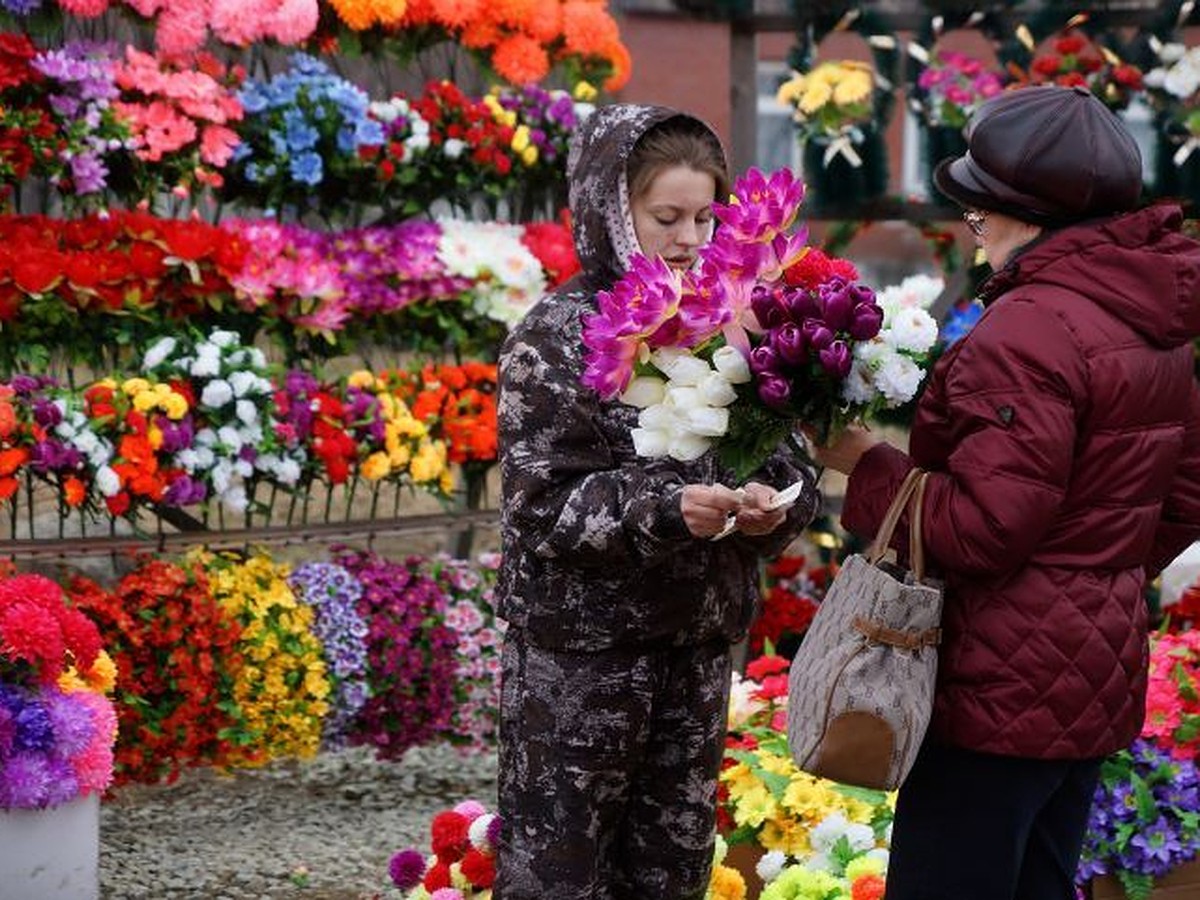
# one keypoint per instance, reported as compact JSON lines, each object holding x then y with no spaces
{"x":762,"y":206}
{"x":407,"y":868}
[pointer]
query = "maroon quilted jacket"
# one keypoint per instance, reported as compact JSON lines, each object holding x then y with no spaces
{"x":1064,"y":436}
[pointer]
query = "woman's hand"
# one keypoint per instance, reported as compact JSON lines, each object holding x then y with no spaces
{"x":756,"y":517}
{"x":846,"y":450}
{"x":705,"y":507}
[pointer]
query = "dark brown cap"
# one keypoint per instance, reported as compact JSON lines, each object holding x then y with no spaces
{"x":1047,"y":155}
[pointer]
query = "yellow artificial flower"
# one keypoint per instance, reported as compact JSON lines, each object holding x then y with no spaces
{"x":754,"y":807}
{"x":863,"y":865}
{"x":529,"y":156}
{"x":584,"y":92}
{"x":726,"y":884}
{"x":361,"y":379}
{"x":520,"y":139}
{"x":786,"y":834}
{"x":790,"y":91}
{"x":376,"y":467}
{"x":175,"y":406}
{"x":854,"y":88}
{"x":135,"y":386}
{"x":817,"y":94}
{"x":154,"y":436}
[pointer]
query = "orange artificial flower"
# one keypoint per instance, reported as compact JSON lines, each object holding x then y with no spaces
{"x":867,"y":887}
{"x":622,"y":65}
{"x":545,"y":21}
{"x":588,"y":29}
{"x":12,"y":459}
{"x":452,"y":14}
{"x":73,"y":491}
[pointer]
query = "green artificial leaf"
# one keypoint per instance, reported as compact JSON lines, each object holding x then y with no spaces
{"x":1137,"y":886}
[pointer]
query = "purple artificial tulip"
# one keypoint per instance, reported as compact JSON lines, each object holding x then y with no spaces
{"x":865,"y":321}
{"x":836,"y":359}
{"x":801,"y":305}
{"x":817,"y":335}
{"x":836,"y":304}
{"x":788,"y":342}
{"x":764,"y":360}
{"x":767,"y":307}
{"x":774,"y":390}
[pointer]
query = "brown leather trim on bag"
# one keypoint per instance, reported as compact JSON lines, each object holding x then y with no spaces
{"x":876,"y":633}
{"x":856,"y":749}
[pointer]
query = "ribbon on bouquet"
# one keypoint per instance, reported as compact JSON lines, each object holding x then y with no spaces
{"x":843,"y":144}
{"x":1188,"y":148}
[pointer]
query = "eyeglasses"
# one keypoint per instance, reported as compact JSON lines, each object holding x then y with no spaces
{"x":975,"y":221}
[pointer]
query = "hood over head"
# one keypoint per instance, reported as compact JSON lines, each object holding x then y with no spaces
{"x":602,"y":220}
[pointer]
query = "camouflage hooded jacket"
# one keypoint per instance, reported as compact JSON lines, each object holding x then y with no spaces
{"x":595,"y":550}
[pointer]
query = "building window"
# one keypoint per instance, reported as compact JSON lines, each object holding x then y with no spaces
{"x":776,"y":135}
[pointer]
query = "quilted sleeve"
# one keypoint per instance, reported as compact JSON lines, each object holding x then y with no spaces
{"x":1180,"y":521}
{"x":565,"y":495}
{"x":1012,"y":394}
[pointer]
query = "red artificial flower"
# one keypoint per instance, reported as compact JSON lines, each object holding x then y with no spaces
{"x":772,"y":687}
{"x":867,"y":887}
{"x":74,"y":491}
{"x":479,"y":869}
{"x":30,"y":633}
{"x":759,"y":669}
{"x":437,"y":877}
{"x":450,"y":838}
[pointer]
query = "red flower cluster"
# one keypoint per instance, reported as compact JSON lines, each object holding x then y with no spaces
{"x":125,"y":261}
{"x":1073,"y":59}
{"x":791,"y":596}
{"x":452,"y":115}
{"x":816,"y":267}
{"x":28,"y":134}
{"x":459,"y":405}
{"x":41,"y":634}
{"x":551,"y":243}
{"x":173,"y":647}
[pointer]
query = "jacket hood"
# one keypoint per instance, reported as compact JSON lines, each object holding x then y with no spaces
{"x":602,"y":221}
{"x":1137,"y":266}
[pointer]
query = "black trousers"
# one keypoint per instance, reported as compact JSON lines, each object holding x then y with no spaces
{"x":974,"y":826}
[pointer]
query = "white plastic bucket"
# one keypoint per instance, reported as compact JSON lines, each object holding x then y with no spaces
{"x":51,"y":854}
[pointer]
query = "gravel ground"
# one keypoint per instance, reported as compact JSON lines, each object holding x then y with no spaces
{"x":317,"y":830}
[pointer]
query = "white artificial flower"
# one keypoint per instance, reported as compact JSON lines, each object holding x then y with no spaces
{"x":222,"y":338}
{"x":716,"y":390}
{"x":235,"y":499}
{"x":680,"y":367}
{"x":743,"y":700}
{"x":386,"y":111}
{"x":650,"y":443}
{"x":912,"y":329}
{"x":860,"y":837}
{"x":707,"y":421}
{"x":770,"y":864}
{"x":158,"y":353}
{"x":189,"y":459}
{"x":207,"y":363}
{"x":222,"y":476}
{"x":898,"y":378}
{"x":859,"y":386}
{"x":643,"y":391}
{"x":287,"y":472}
{"x":683,"y":397}
{"x":730,"y":363}
{"x":659,"y":417}
{"x":820,"y":862}
{"x":205,"y":458}
{"x":86,"y":442}
{"x":882,"y":853}
{"x":1172,"y":51}
{"x":243,"y":467}
{"x":108,"y":482}
{"x":230,"y":438}
{"x":827,"y":832}
{"x":216,"y":394}
{"x":453,"y":148}
{"x":687,"y":447}
{"x":257,"y":358}
{"x":477,"y":832}
{"x":246,"y":412}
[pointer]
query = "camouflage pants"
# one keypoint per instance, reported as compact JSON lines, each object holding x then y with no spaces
{"x":608,"y":771}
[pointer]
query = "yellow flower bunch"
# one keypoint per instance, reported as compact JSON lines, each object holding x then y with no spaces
{"x":280,"y":685}
{"x":101,"y":678}
{"x":407,"y":447}
{"x":147,"y":396}
{"x":830,"y":99}
{"x":725,"y":883}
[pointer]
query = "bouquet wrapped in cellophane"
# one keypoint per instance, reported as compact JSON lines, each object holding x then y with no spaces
{"x":763,"y":335}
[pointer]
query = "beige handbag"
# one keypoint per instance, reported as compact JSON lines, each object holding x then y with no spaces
{"x":860,"y":691}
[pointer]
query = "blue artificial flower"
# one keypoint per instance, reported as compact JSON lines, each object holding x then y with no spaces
{"x":307,"y":168}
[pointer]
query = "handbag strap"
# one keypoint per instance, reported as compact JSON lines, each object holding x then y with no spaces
{"x":911,"y":495}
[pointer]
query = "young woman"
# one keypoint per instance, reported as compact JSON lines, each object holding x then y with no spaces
{"x":621,"y":610}
{"x":1062,"y":435}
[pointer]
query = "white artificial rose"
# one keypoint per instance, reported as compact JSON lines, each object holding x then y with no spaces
{"x":859,"y":386}
{"x":708,"y":421}
{"x":680,"y":366}
{"x":730,"y":363}
{"x":643,"y":391}
{"x":650,"y":442}
{"x":688,"y":447}
{"x":898,"y":378}
{"x":912,"y":329}
{"x":683,"y":398}
{"x":158,"y":352}
{"x":108,"y":482}
{"x":716,"y":390}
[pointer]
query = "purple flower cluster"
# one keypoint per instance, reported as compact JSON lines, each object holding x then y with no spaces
{"x":41,"y":729}
{"x":471,"y":614}
{"x":83,"y":75}
{"x":803,"y":328}
{"x":384,"y":269}
{"x":21,"y":7}
{"x":550,"y":116}
{"x":410,"y":654}
{"x":1145,"y":818}
{"x":335,"y":594}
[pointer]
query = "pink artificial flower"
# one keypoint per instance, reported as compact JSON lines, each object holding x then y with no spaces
{"x":294,"y":22}
{"x":140,"y":72}
{"x":217,"y":143}
{"x":182,"y":26}
{"x":162,"y":129}
{"x":93,"y":766}
{"x":762,"y":207}
{"x":84,"y":9}
{"x":146,"y":8}
{"x":238,"y":22}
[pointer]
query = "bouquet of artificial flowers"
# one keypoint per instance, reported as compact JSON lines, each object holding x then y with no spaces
{"x":1172,"y":701}
{"x":952,"y":86}
{"x":462,"y":865}
{"x":765,"y":333}
{"x":1072,"y":59}
{"x":832,"y":104}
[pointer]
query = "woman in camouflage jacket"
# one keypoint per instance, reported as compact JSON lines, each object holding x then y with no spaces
{"x":621,"y":610}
